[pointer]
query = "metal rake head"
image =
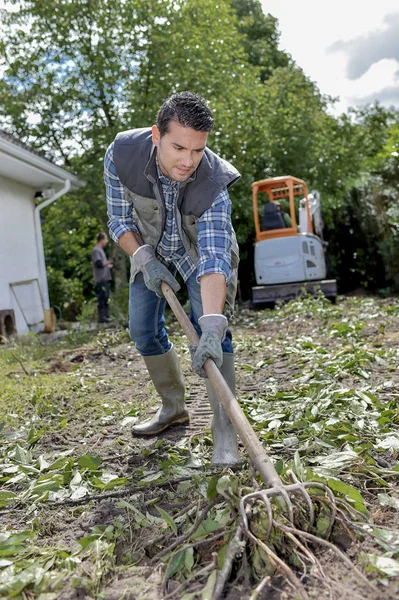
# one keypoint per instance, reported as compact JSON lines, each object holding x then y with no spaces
{"x":299,"y":488}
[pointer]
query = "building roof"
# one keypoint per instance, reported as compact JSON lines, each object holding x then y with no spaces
{"x":17,"y":142}
{"x":26,"y":165}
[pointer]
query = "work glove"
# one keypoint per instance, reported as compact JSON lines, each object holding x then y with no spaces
{"x":210,"y":345}
{"x":153,"y":270}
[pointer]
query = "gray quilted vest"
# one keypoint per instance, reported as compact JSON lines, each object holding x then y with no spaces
{"x":134,"y":148}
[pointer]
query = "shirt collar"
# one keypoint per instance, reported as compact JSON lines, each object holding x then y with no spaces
{"x":166,"y":181}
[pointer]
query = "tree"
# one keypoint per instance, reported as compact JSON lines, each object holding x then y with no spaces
{"x":78,"y":71}
{"x":261,"y":37}
{"x":107,"y":70}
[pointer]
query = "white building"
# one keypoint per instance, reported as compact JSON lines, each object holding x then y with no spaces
{"x":24,"y":302}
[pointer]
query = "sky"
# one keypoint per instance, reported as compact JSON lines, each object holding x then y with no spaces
{"x":349,"y":48}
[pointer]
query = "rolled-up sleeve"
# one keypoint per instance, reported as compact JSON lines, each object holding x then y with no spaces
{"x":120,"y":210}
{"x":214,"y":238}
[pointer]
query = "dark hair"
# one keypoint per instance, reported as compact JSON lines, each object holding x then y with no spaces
{"x":187,"y":109}
{"x":101,"y":236}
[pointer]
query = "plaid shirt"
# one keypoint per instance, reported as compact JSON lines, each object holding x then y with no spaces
{"x":214,"y":226}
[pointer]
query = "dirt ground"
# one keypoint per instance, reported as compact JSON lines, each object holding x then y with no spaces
{"x":286,"y":360}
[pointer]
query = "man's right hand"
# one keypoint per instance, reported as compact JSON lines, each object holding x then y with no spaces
{"x":153,"y":270}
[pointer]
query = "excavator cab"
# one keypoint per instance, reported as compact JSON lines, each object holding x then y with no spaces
{"x":288,"y":255}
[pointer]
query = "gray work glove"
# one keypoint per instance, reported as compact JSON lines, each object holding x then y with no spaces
{"x":210,"y":345}
{"x":153,"y":270}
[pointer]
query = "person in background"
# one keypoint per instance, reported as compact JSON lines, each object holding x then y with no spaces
{"x":169,"y":209}
{"x":102,"y":277}
{"x":286,"y":217}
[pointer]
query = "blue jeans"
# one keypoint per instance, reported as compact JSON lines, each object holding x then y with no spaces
{"x":102,"y":292}
{"x":147,"y":320}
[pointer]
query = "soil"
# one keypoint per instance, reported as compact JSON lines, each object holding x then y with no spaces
{"x":260,"y":337}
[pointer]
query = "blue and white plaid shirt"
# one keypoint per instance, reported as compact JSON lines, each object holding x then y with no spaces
{"x":214,"y":226}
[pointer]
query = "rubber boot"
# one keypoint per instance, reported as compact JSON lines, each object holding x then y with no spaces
{"x":225,"y":445}
{"x":166,"y":375}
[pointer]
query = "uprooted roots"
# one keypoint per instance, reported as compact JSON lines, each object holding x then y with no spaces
{"x":211,"y":552}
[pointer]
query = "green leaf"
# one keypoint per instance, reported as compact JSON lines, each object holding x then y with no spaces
{"x":381,"y":564}
{"x":10,"y":544}
{"x":6,"y":497}
{"x":129,"y":421}
{"x":4,"y":562}
{"x":208,"y":526}
{"x":299,"y":470}
{"x":34,"y":436}
{"x":90,"y":462}
{"x":211,"y":491}
{"x":159,"y":475}
{"x":391,"y":537}
{"x":189,"y":559}
{"x":389,"y":442}
{"x":22,"y":456}
{"x":207,"y":592}
{"x":178,"y":563}
{"x":79,"y":491}
{"x":167,"y":518}
{"x":387,"y":500}
{"x":88,"y":540}
{"x":222,"y":555}
{"x":112,"y":483}
{"x":350,"y":492}
{"x":323,"y":525}
{"x":43,"y":464}
{"x":227,"y":483}
{"x":138,"y":516}
{"x":11,"y":550}
{"x":14,"y":538}
{"x":51,"y":482}
{"x":60,"y":463}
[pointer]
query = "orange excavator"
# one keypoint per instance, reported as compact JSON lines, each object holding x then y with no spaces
{"x":289,"y":246}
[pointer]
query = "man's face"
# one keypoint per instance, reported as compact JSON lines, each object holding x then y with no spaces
{"x":179,"y":151}
{"x":104,"y":241}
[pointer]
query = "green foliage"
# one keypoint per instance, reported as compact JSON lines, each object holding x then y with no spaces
{"x":66,"y":294}
{"x":333,"y":419}
{"x":77,"y":72}
{"x":260,"y":37}
{"x":88,"y":312}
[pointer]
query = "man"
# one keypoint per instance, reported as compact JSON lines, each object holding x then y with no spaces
{"x":169,"y":209}
{"x":286,"y":217}
{"x":102,"y":276}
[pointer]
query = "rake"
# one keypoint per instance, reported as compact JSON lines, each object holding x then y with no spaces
{"x":260,"y":460}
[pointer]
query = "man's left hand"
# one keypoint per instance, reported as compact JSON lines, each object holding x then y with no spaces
{"x":210,"y":345}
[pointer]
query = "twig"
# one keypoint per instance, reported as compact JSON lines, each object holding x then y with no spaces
{"x":313,"y":559}
{"x":130,"y":490}
{"x":167,"y":536}
{"x":260,"y":587}
{"x":235,"y":547}
{"x":189,"y":533}
{"x":327,"y":544}
{"x":352,"y":510}
{"x":366,"y":532}
{"x":213,"y":538}
{"x":21,"y":363}
{"x":310,"y":555}
{"x":281,"y":565}
{"x":210,"y":567}
{"x":189,"y":507}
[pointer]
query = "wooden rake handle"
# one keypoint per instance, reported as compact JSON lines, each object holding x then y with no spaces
{"x":260,"y":460}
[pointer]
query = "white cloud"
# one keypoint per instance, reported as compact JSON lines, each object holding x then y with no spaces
{"x":310,"y":28}
{"x":371,"y":47}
